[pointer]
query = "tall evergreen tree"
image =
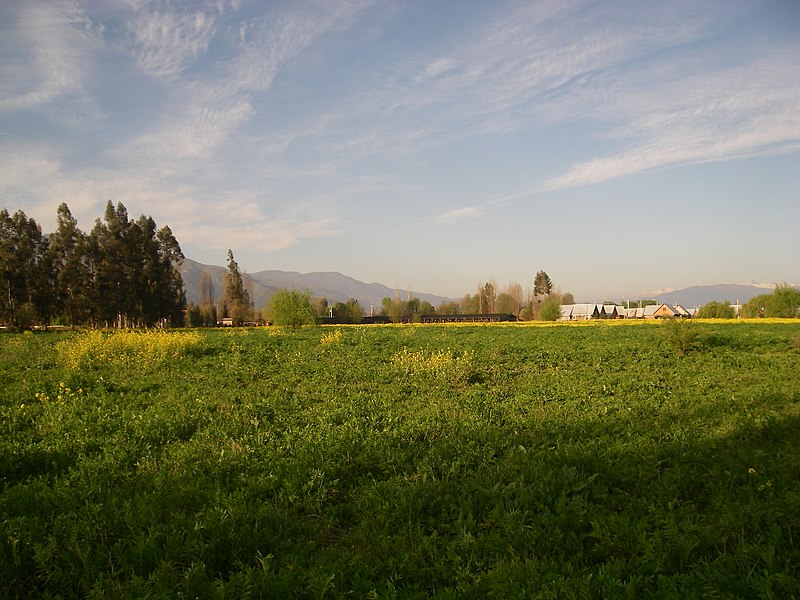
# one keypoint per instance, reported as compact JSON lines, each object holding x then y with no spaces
{"x":236,"y":302}
{"x":68,"y":251}
{"x":135,"y":280}
{"x":26,"y":292}
{"x":123,"y":272}
{"x":173,"y":293}
{"x":542,"y":285}
{"x":111,"y":267}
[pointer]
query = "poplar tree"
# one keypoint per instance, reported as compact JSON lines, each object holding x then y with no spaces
{"x":236,"y":304}
{"x":208,"y":310}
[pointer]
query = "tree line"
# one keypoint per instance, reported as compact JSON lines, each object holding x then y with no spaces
{"x":783,"y":302}
{"x":291,"y":307}
{"x":123,"y":273}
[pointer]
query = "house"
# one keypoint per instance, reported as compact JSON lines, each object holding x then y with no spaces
{"x":662,"y":311}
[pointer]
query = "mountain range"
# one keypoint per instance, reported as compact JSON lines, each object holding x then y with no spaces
{"x":333,"y":286}
{"x":699,"y":295}
{"x":336,"y":287}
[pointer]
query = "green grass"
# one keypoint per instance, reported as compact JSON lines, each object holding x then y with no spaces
{"x":406,"y":462}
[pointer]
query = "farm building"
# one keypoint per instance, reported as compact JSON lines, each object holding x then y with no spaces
{"x":463,"y":318}
{"x":583,"y":312}
{"x":667,"y":310}
{"x":661,"y":311}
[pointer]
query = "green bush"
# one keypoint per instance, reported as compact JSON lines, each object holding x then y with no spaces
{"x":681,"y":334}
{"x":717,"y":310}
{"x":550,"y":309}
{"x":291,"y":308}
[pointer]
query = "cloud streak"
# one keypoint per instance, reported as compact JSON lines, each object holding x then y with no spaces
{"x":167,"y":43}
{"x":747,"y":111}
{"x":205,"y":110}
{"x":55,"y":55}
{"x":458,"y":214}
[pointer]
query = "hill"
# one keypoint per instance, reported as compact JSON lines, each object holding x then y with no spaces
{"x":333,"y":286}
{"x":699,"y":295}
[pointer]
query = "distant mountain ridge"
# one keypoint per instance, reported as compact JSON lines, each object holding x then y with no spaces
{"x":700,"y":295}
{"x":332,"y":285}
{"x":336,"y":287}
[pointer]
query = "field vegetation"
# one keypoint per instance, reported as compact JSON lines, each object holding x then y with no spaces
{"x":517,"y":461}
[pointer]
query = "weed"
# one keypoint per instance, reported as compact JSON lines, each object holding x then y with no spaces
{"x":442,"y":364}
{"x":134,"y":348}
{"x":681,"y":335}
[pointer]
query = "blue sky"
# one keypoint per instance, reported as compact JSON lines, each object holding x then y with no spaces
{"x":622,"y":147}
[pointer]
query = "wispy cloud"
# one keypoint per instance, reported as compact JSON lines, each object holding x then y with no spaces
{"x":528,"y":68}
{"x":205,"y":110}
{"x":749,"y":110}
{"x":458,"y":214}
{"x":166,"y":43}
{"x":55,"y":55}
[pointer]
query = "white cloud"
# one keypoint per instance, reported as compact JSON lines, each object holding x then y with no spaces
{"x":205,"y":111}
{"x":439,"y":66}
{"x":54,"y":54}
{"x":749,"y":110}
{"x":167,"y":43}
{"x":458,"y":214}
{"x":530,"y":67}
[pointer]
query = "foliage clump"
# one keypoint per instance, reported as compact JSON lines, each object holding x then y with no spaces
{"x":550,"y":309}
{"x":291,"y":308}
{"x":717,"y":310}
{"x":782,"y":303}
{"x":681,"y":335}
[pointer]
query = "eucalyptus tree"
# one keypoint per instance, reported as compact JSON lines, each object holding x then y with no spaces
{"x":26,"y":290}
{"x":134,"y":270}
{"x":70,"y":268}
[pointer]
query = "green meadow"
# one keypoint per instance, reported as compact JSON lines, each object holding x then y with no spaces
{"x":519,"y":461}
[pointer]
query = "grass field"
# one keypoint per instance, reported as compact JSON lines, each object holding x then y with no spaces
{"x":614,"y":461}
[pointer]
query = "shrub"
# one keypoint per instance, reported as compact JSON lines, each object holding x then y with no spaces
{"x":717,"y":310}
{"x":291,"y":308}
{"x":681,"y":335}
{"x":550,"y":310}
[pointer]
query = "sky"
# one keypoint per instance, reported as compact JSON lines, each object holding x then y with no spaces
{"x":430,"y":146}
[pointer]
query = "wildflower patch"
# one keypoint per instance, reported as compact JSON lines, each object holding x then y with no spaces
{"x":443,"y":365}
{"x":331,"y":337}
{"x":134,"y":348}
